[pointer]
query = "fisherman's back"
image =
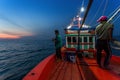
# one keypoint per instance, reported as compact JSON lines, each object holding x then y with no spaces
{"x":102,"y":31}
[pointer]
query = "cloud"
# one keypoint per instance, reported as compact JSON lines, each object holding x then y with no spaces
{"x":10,"y":33}
{"x":15,"y":24}
{"x":14,"y":35}
{"x":20,"y":33}
{"x":16,"y":30}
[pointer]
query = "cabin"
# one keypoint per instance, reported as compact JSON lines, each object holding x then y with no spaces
{"x":86,"y":35}
{"x":86,"y":40}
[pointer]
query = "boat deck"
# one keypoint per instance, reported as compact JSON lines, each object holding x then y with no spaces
{"x":84,"y":69}
{"x":65,"y":71}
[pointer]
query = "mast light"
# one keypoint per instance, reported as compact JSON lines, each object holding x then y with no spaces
{"x":82,"y":9}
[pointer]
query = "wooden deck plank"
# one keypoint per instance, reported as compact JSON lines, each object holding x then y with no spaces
{"x":56,"y":71}
{"x":85,"y":71}
{"x":55,"y":68}
{"x":68,"y":74}
{"x":75,"y":73}
{"x":63,"y":71}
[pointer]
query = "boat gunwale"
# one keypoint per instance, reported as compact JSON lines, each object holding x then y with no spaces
{"x":42,"y":70}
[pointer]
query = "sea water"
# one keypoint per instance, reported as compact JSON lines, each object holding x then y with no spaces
{"x":18,"y":57}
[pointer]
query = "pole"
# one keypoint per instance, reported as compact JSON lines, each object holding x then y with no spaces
{"x":86,"y":13}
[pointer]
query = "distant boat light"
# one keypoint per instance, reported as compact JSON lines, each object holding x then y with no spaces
{"x":82,"y":9}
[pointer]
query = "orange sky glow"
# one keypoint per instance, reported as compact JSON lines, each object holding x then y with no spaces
{"x":15,"y":35}
{"x":7,"y":36}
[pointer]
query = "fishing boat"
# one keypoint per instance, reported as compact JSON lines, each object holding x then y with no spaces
{"x":79,"y":58}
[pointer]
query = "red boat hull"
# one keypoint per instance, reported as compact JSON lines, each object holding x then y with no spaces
{"x":45,"y":69}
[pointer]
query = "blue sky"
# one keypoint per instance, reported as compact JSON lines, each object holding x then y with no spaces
{"x":39,"y":17}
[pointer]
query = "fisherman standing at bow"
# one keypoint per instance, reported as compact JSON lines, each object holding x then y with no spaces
{"x":104,"y":35}
{"x":58,"y":45}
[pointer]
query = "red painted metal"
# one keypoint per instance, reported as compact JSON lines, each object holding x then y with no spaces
{"x":101,"y":73}
{"x":116,"y":59}
{"x":42,"y":70}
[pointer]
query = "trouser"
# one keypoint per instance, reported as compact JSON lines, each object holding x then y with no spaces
{"x":58,"y":53}
{"x":103,"y":45}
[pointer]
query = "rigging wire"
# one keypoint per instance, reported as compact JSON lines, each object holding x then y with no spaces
{"x":96,"y":13}
{"x":117,"y":4}
{"x":79,"y":12}
{"x":116,"y":19}
{"x":113,"y":11}
{"x":105,"y":7}
{"x":111,"y":18}
{"x":112,"y":14}
{"x":103,"y":11}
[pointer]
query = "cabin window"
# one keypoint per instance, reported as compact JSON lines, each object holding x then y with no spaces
{"x":85,"y":39}
{"x":74,"y":39}
{"x":80,"y":39}
{"x":68,"y":39}
{"x":90,"y":39}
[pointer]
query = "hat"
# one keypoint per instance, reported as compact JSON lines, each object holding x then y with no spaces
{"x":102,"y":18}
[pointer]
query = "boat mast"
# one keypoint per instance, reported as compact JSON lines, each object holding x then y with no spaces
{"x":86,"y":12}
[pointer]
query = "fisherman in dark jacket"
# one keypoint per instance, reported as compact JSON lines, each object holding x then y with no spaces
{"x":104,"y":36}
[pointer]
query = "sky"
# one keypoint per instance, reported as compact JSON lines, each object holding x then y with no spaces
{"x":38,"y":18}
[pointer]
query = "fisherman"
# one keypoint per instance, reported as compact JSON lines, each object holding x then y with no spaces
{"x":104,"y":35}
{"x":58,"y":45}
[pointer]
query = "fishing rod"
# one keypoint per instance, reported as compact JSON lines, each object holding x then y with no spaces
{"x":110,"y":19}
{"x":116,"y":42}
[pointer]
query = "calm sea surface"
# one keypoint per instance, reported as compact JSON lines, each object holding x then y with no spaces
{"x":18,"y":57}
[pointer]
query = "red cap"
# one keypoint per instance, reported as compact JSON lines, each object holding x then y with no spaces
{"x":102,"y":18}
